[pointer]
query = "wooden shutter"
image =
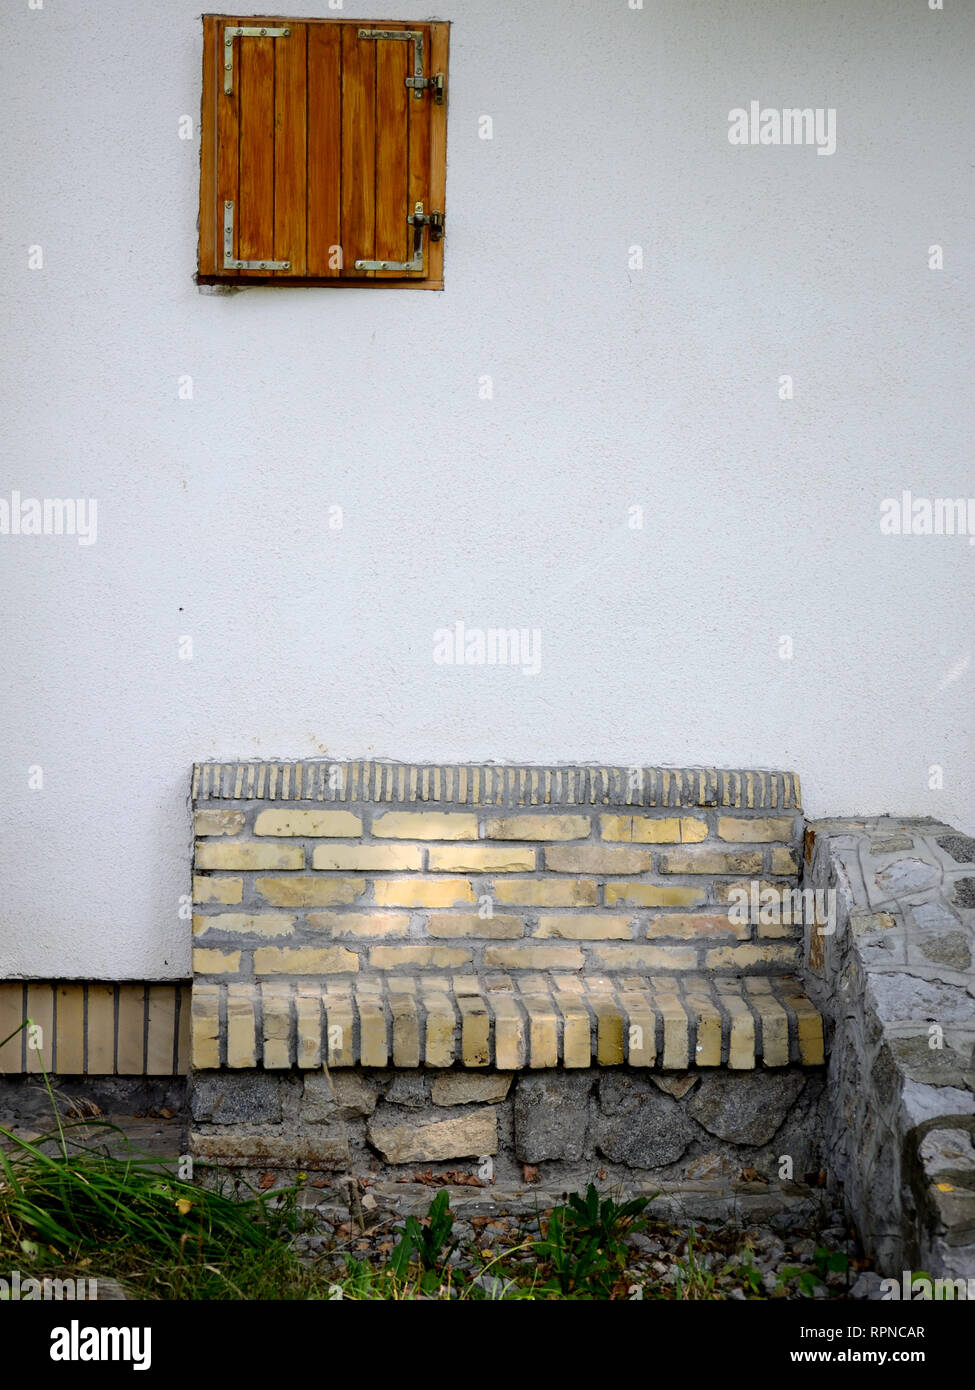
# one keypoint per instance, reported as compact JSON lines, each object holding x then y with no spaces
{"x":315,"y":151}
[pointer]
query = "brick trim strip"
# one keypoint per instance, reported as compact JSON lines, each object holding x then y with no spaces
{"x":543,"y":1020}
{"x":489,"y":784}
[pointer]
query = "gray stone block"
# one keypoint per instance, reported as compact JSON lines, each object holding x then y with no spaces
{"x":745,"y":1109}
{"x":551,"y":1116}
{"x":220,"y":1098}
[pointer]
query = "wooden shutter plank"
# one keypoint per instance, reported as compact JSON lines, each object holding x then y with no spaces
{"x":209,"y":247}
{"x":393,"y":100}
{"x":290,"y":125}
{"x":358,"y":150}
{"x":228,"y":148}
{"x":437,"y":154}
{"x":254,"y":76}
{"x":11,"y":1017}
{"x":324,"y":147}
{"x":418,"y":120}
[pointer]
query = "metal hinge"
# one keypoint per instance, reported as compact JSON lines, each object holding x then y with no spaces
{"x":242,"y":31}
{"x":418,"y":81}
{"x":418,"y":219}
{"x":229,"y":262}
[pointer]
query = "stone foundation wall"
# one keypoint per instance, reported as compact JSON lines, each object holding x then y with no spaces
{"x":568,"y":1127}
{"x":896,"y":984}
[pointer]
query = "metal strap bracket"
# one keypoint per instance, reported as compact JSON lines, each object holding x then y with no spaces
{"x":418,"y":81}
{"x":418,"y":219}
{"x":242,"y":31}
{"x":229,"y":261}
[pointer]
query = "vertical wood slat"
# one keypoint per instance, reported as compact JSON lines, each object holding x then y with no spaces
{"x":131,"y":1057}
{"x":290,"y":127}
{"x":162,"y":1030}
{"x":228,"y":140}
{"x":101,"y":1030}
{"x":254,"y":75}
{"x":437,"y":151}
{"x":184,"y":1027}
{"x":40,"y":1010}
{"x":324,"y":148}
{"x":393,"y":100}
{"x":69,"y":1052}
{"x":418,"y":155}
{"x":358,"y":150}
{"x":210,"y":243}
{"x":11,"y":1017}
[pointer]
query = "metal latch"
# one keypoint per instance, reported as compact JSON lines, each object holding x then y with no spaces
{"x":242,"y":31}
{"x":418,"y":81}
{"x":418,"y":219}
{"x":229,"y":262}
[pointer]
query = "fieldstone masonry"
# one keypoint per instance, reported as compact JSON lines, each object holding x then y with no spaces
{"x":398,"y":966}
{"x":897,"y":985}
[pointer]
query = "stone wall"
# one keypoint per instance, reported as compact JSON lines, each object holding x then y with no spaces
{"x":610,"y":1124}
{"x":896,"y":983}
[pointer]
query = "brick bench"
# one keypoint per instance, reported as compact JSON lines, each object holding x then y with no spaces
{"x":547,"y":926}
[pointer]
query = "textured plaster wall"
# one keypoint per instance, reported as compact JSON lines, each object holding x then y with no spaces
{"x":613,"y":388}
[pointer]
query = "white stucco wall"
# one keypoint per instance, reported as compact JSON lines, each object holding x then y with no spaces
{"x":613,"y":388}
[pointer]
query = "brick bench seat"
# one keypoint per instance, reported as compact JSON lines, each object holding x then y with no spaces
{"x":507,"y":1022}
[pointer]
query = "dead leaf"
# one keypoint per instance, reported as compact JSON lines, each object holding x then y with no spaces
{"x":265,"y":1181}
{"x":529,"y":1173}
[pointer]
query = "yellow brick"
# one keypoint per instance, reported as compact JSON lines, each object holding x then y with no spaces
{"x":360,"y":924}
{"x":537,"y":827}
{"x":475,"y":1031}
{"x":406,"y":1031}
{"x":441,"y":957}
{"x":653,"y":895}
{"x":696,"y":925}
{"x":205,"y":1009}
{"x":308,"y":1011}
{"x":784,"y":862}
{"x":775,"y":1022}
{"x":644,"y":958}
{"x":260,"y":923}
{"x":533,"y":957}
{"x":597,"y":859}
{"x":609,"y":1033}
{"x":690,"y":861}
{"x":641,"y":1035}
{"x":693,"y":830}
{"x":739,"y":957}
{"x":584,"y":927}
{"x":366,"y":857}
{"x":373,"y":1037}
{"x":723,"y":891}
{"x":576,"y":1031}
{"x":754,"y":830}
{"x":644,"y":830}
{"x":276,"y":1006}
{"x":481,"y":859}
{"x":295,"y":822}
{"x":217,"y":890}
{"x":215,"y":962}
{"x":422,"y":892}
{"x":425,"y":825}
{"x":543,"y":1032}
{"x":238,"y":854}
{"x":677,"y":1045}
{"x":547,"y":892}
{"x":310,"y":892}
{"x":510,"y":1042}
{"x":218,"y":822}
{"x":241,"y":1033}
{"x":304,"y":960}
{"x":500,"y":927}
{"x":810,"y":1026}
{"x":441,"y":1020}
